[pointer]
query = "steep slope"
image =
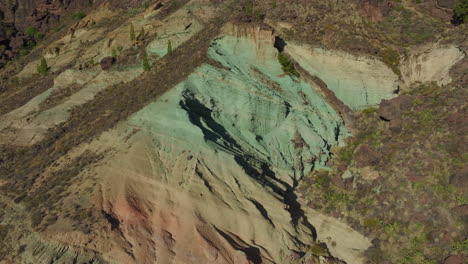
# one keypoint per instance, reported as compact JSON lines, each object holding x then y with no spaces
{"x":219,"y":150}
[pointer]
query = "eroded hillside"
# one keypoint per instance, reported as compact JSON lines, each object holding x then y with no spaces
{"x":229,"y":132}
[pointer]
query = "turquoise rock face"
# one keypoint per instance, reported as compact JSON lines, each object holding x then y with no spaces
{"x":359,"y":82}
{"x":249,"y":108}
{"x":235,"y":139}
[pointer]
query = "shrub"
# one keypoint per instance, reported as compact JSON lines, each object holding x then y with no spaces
{"x":42,"y":68}
{"x":39,"y":36}
{"x":78,"y":15}
{"x":132,"y":32}
{"x":319,"y":250}
{"x":169,"y":47}
{"x":36,"y":218}
{"x":30,"y":31}
{"x":287,"y":65}
{"x":369,"y":111}
{"x":141,"y":36}
{"x":146,"y":65}
{"x":460,"y":13}
{"x":23,"y":52}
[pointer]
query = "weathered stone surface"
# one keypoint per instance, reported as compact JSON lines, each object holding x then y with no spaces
{"x":447,"y":3}
{"x":461,"y":210}
{"x":107,"y":62}
{"x":347,"y":175}
{"x":460,"y":179}
{"x":393,"y":108}
{"x":366,"y":156}
{"x":375,"y":10}
{"x":357,"y":81}
{"x":455,"y":259}
{"x":369,"y":174}
{"x":17,"y":42}
{"x":395,"y":126}
{"x":430,"y":63}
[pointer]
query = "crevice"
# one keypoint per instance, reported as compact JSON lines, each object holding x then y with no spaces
{"x":215,"y":132}
{"x":113,"y":221}
{"x":252,"y":253}
{"x":279,"y":44}
{"x":205,"y":182}
{"x":262,"y":211}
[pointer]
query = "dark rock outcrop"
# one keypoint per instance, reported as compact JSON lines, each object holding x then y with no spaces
{"x":455,"y":259}
{"x":375,"y":10}
{"x":461,"y":210}
{"x":107,"y":62}
{"x":366,"y":156}
{"x":460,"y":178}
{"x":393,"y":108}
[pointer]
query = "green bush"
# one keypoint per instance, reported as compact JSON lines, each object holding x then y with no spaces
{"x":169,"y":47}
{"x":146,"y":65}
{"x":78,"y":15}
{"x":42,"y":68}
{"x":132,"y":32}
{"x":460,"y":13}
{"x":142,"y":34}
{"x":23,"y":52}
{"x":30,"y":31}
{"x":39,"y":36}
{"x":36,"y":218}
{"x":287,"y":65}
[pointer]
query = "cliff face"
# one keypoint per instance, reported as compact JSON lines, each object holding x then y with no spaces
{"x":177,"y":133}
{"x":44,"y":16}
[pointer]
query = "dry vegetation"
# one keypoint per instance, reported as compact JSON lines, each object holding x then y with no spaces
{"x":413,"y":210}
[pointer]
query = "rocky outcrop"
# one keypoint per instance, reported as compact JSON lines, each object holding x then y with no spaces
{"x":375,"y":10}
{"x":216,"y":160}
{"x":366,"y":156}
{"x":107,"y":62}
{"x":393,"y":109}
{"x":358,"y":82}
{"x":43,"y":15}
{"x":455,"y":259}
{"x":430,"y":63}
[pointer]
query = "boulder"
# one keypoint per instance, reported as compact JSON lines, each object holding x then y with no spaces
{"x":17,"y":42}
{"x":395,"y":126}
{"x":107,"y":62}
{"x":446,"y":3}
{"x":461,"y":210}
{"x":347,"y":175}
{"x":8,"y":54}
{"x":460,"y":179}
{"x":393,"y":108}
{"x":455,"y":259}
{"x":366,"y":156}
{"x":368,"y":174}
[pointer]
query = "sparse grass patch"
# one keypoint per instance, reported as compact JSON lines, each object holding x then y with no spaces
{"x":369,"y":111}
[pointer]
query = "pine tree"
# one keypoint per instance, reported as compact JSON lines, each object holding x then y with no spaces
{"x":42,"y":68}
{"x":169,"y":47}
{"x":460,"y":13}
{"x":132,"y":32}
{"x":142,"y":34}
{"x":146,"y":65}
